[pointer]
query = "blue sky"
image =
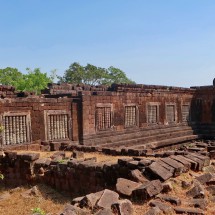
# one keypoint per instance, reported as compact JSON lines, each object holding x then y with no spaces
{"x":164,"y":42}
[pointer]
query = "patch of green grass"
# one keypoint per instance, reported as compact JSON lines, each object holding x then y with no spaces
{"x":38,"y":211}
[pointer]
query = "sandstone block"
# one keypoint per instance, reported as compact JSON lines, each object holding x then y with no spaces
{"x":108,"y":198}
{"x":159,"y":171}
{"x":123,"y":207}
{"x":126,"y":187}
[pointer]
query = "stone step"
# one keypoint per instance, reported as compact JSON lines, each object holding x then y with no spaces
{"x":167,"y":142}
{"x":144,"y":140}
{"x":132,"y":134}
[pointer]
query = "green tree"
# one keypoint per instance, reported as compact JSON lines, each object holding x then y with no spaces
{"x":34,"y":81}
{"x":10,"y":76}
{"x":75,"y":74}
{"x":93,"y":75}
{"x":117,"y":76}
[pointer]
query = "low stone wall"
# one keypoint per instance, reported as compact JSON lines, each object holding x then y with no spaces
{"x":76,"y":176}
{"x":79,"y":176}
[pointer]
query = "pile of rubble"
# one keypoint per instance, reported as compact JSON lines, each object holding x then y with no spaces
{"x":111,"y":187}
{"x":154,"y":193}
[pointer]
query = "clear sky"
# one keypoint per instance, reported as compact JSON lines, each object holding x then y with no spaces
{"x":165,"y":42}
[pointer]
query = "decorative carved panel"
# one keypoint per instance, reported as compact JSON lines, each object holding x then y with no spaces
{"x":152,"y":114}
{"x":130,"y":116}
{"x":103,"y":118}
{"x":57,"y":124}
{"x":185,"y":111}
{"x":170,"y":113}
{"x":16,"y":128}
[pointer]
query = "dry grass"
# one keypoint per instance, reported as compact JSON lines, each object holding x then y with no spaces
{"x":49,"y":201}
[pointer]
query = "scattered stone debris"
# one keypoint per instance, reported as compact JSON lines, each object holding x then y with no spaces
{"x":148,"y":180}
{"x":196,"y":192}
{"x":103,"y":202}
{"x":126,"y":187}
{"x":31,"y":193}
{"x":166,"y":209}
{"x":191,"y":211}
{"x":147,"y":191}
{"x":78,"y":154}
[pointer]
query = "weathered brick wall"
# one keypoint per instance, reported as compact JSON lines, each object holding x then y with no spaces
{"x":82,"y":102}
{"x":205,"y":96}
{"x":140,"y":99}
{"x":36,"y":107}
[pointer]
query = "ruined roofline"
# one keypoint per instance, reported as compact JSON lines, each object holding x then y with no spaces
{"x":74,"y":90}
{"x":66,"y":88}
{"x":137,"y":87}
{"x":203,"y":87}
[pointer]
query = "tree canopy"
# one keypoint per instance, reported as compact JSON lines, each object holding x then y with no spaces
{"x":94,"y":75}
{"x":10,"y":76}
{"x":33,"y":81}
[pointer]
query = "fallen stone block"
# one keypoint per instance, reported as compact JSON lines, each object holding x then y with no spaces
{"x":137,"y":176}
{"x":78,"y":154}
{"x":171,"y":199}
{"x":108,"y":198}
{"x":159,"y":171}
{"x":191,"y":211}
{"x":123,"y":207}
{"x":166,"y":166}
{"x":167,"y":187}
{"x":126,"y":187}
{"x":76,"y":201}
{"x":197,"y":203}
{"x":147,"y":191}
{"x":196,"y":192}
{"x":200,"y":163}
{"x":179,"y":167}
{"x":145,"y":162}
{"x":90,"y":200}
{"x":194,"y":165}
{"x":132,"y":165}
{"x":166,"y":209}
{"x":203,"y":179}
{"x":205,"y":159}
{"x":182,"y":160}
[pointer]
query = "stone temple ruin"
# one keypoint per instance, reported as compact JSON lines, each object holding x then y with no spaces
{"x":163,"y":131}
{"x":121,"y":117}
